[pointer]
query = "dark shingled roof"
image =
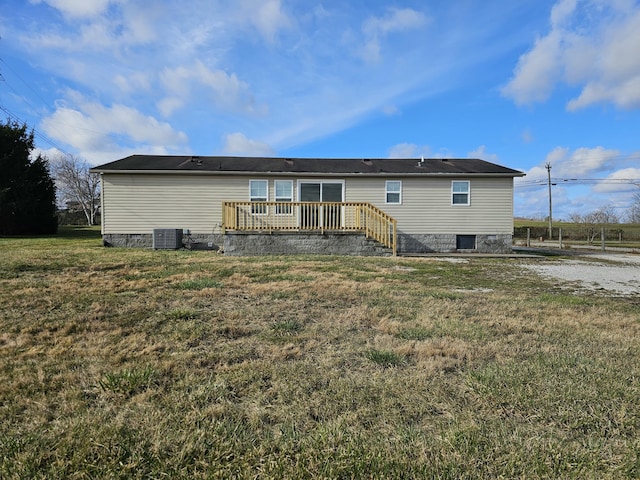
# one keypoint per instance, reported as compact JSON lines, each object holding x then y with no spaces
{"x":325,"y":166}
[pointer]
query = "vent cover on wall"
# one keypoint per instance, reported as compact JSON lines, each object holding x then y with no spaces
{"x":167,"y":238}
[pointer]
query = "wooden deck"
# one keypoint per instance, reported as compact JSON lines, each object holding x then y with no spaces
{"x":318,"y":217}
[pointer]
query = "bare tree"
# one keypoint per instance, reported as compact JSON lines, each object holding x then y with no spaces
{"x":76,"y":185}
{"x":605,"y":216}
{"x":634,"y":210}
{"x":576,"y":217}
{"x":594,"y":221}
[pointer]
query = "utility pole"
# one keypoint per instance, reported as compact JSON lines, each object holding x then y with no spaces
{"x":548,"y":167}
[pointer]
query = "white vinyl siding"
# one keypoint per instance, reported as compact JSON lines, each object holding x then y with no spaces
{"x":426,"y":205}
{"x":138,"y":203}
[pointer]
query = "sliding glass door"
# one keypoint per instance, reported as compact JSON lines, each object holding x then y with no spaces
{"x":325,"y":216}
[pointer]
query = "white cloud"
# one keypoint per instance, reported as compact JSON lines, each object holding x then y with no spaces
{"x":561,"y":11}
{"x":580,"y":163}
{"x":409,"y":150}
{"x":78,"y":8}
{"x":224,"y":90}
{"x":238,"y":144}
{"x":97,"y":131}
{"x":168,"y":105}
{"x":627,"y":179}
{"x":575,"y":174}
{"x":396,"y":20}
{"x":267,"y":16}
{"x":49,"y":153}
{"x":132,"y":82}
{"x":593,"y":45}
{"x":481,"y":152}
{"x":95,"y":30}
{"x":537,"y":72}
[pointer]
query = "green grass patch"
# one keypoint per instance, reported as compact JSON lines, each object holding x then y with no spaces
{"x":128,"y":381}
{"x":415,"y":333}
{"x":287,"y":327}
{"x":386,"y":358}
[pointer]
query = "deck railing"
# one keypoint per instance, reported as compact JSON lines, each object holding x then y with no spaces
{"x":311,"y":217}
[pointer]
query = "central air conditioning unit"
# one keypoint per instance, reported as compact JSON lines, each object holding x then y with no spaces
{"x":167,"y":238}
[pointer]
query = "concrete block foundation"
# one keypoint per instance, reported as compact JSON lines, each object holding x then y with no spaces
{"x":286,"y":243}
{"x":328,"y":243}
{"x":448,"y":243}
{"x":198,"y":241}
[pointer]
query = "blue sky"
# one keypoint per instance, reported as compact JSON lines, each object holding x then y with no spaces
{"x":520,"y":83}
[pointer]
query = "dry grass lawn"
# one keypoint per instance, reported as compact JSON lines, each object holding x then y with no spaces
{"x":122,"y":363}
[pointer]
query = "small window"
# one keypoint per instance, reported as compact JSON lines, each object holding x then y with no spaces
{"x":460,"y":192}
{"x":284,"y":193}
{"x":393,"y":191}
{"x":465,"y":242}
{"x":258,"y":192}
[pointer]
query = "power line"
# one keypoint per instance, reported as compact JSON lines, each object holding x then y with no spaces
{"x":25,"y":83}
{"x":16,"y":118}
{"x":41,"y":136}
{"x":578,"y":181}
{"x":48,"y":107}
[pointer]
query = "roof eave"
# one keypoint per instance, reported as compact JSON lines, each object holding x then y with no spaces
{"x":306,"y":174}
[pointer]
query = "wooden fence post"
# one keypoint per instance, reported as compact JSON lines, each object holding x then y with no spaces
{"x":602,"y":238}
{"x":528,"y":237}
{"x":560,"y":238}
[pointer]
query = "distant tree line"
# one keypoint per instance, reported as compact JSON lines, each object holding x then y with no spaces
{"x":590,"y":225}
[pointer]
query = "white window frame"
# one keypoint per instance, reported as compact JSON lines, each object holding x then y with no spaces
{"x":283,"y":209}
{"x":454,"y":192}
{"x":321,"y":181}
{"x":387,"y":192}
{"x":258,"y":210}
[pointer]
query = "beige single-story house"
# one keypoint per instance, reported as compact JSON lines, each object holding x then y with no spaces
{"x":252,"y":205}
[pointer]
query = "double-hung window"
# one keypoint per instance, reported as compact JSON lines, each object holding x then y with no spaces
{"x":393,"y":191}
{"x":460,"y":194}
{"x":284,"y":193}
{"x":259,"y":192}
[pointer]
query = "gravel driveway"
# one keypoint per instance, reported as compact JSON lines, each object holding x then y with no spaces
{"x":617,"y":274}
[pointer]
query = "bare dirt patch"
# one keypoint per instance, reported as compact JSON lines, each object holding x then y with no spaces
{"x":607,"y":273}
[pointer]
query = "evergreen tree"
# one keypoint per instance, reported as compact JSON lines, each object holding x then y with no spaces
{"x":27,"y":191}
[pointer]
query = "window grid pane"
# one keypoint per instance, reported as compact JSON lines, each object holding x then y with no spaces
{"x":284,"y":190}
{"x":460,"y":187}
{"x":460,"y":199}
{"x":258,"y":190}
{"x":393,"y":198}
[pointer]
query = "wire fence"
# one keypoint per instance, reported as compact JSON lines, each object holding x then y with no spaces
{"x":596,"y":236}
